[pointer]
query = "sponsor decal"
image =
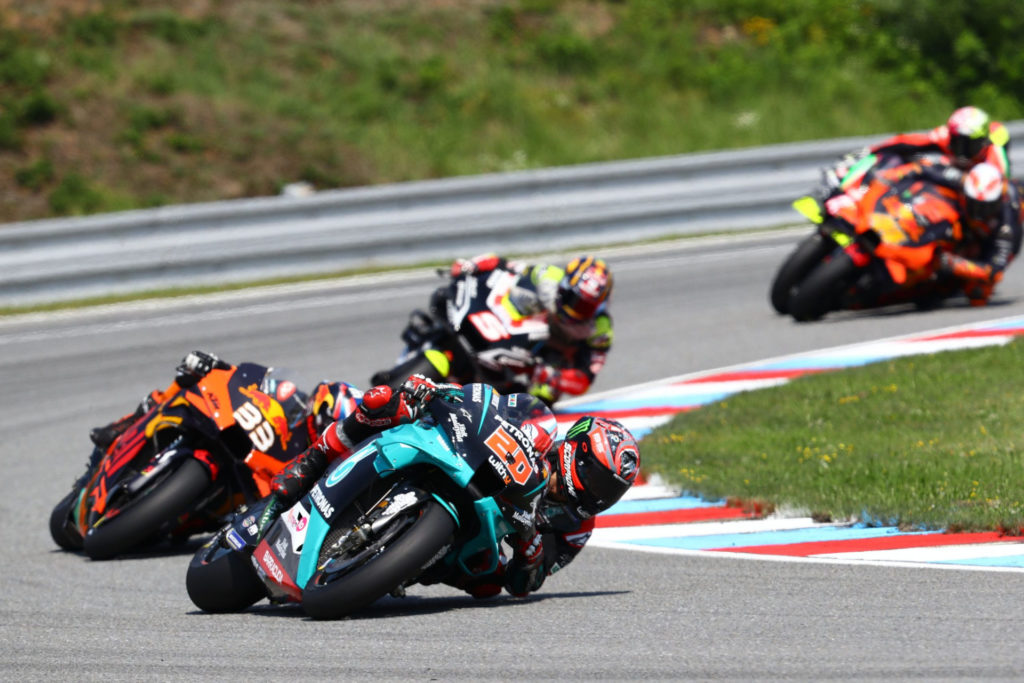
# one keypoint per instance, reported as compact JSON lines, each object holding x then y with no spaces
{"x":285,"y":390}
{"x":500,"y":468}
{"x":249,"y":521}
{"x":523,"y":517}
{"x":477,"y":394}
{"x":513,"y":400}
{"x":399,"y":503}
{"x":270,"y":564}
{"x":339,"y":472}
{"x":281,"y":546}
{"x":458,"y":429}
{"x":270,"y":409}
{"x":580,"y":428}
{"x":296,"y":519}
{"x":320,"y":500}
{"x":568,"y":453}
{"x":235,"y":539}
{"x":524,"y":441}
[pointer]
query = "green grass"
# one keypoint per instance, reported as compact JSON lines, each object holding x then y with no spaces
{"x":131,"y":103}
{"x":934,"y":441}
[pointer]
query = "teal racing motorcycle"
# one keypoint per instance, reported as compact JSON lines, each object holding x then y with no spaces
{"x":416,"y":503}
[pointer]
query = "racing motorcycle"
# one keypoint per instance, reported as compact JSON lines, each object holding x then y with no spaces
{"x":867,"y":249}
{"x":471,"y":334}
{"x":413,"y":504}
{"x":184,"y":465}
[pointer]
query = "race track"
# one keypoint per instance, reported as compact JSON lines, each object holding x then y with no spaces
{"x":614,"y":614}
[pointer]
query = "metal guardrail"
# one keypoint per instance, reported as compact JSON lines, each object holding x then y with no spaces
{"x":540,"y":210}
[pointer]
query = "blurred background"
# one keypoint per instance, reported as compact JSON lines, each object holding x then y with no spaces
{"x":124,"y":104}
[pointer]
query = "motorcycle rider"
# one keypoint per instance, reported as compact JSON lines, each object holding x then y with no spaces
{"x":992,"y":218}
{"x":579,"y":477}
{"x":974,"y":212}
{"x":323,"y":405}
{"x":969,"y":137}
{"x":574,"y":300}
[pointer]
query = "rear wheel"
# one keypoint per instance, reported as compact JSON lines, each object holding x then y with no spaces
{"x":163,"y":502}
{"x":365,"y":573}
{"x":62,"y":525}
{"x":795,"y":268}
{"x":822,"y":291}
{"x":222,"y":580}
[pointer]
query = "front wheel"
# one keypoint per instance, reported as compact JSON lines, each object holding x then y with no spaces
{"x":222,"y":580}
{"x":822,"y":291}
{"x":375,"y":570}
{"x":143,"y":517}
{"x":795,"y":268}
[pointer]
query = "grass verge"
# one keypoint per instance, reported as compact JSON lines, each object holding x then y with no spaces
{"x":930,"y":441}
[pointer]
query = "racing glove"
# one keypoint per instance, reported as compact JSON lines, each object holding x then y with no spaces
{"x":483,"y":263}
{"x":525,"y":572}
{"x":549,"y":383}
{"x":381,"y":408}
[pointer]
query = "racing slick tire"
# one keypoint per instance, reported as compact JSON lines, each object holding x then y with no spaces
{"x":399,"y":559}
{"x":164,"y":502}
{"x":795,"y":268}
{"x":823,"y":289}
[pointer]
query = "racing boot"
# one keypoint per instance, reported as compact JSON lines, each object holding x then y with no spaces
{"x":107,"y":434}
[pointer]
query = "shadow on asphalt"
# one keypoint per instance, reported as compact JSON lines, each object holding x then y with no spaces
{"x":412,"y":606}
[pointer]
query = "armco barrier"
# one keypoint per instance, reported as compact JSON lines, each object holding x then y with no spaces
{"x":240,"y":240}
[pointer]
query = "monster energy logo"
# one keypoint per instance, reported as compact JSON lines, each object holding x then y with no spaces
{"x":580,"y":428}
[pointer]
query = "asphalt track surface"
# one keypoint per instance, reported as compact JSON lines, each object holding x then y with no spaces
{"x":613,"y":614}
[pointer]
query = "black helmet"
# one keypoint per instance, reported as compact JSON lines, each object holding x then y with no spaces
{"x":597,"y":463}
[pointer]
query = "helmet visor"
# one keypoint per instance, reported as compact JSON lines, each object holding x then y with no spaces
{"x":575,"y":306}
{"x":601,"y":487}
{"x":965,"y":148}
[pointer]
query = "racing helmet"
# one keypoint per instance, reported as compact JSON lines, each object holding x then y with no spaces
{"x":586,"y":285}
{"x":330,"y":402}
{"x":968,"y":135}
{"x":596,"y":464}
{"x":983,"y":195}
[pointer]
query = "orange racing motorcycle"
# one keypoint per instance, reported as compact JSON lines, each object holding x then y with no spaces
{"x":876,"y":243}
{"x":183,"y":466}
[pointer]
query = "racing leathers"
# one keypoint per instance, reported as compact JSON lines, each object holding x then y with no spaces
{"x":552,"y":539}
{"x":931,"y":191}
{"x":575,"y":350}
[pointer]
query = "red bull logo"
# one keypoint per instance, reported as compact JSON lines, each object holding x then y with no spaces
{"x":272,"y":411}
